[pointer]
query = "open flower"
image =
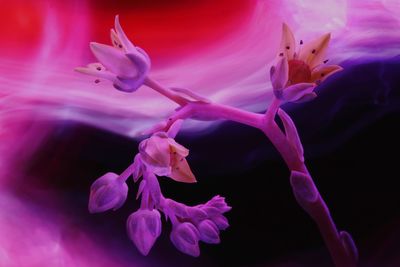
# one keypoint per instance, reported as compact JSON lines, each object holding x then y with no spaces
{"x":107,"y":192}
{"x":164,"y":156}
{"x":297,"y":72}
{"x":124,"y":64}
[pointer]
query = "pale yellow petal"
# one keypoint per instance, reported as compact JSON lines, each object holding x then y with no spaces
{"x":323,"y":72}
{"x":313,"y":53}
{"x":176,"y":148}
{"x":288,"y":45}
{"x":181,"y":172}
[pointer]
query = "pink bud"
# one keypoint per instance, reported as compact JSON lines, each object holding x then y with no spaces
{"x":209,"y":232}
{"x":144,"y":227}
{"x":220,"y":221}
{"x":185,"y":237}
{"x":107,"y":192}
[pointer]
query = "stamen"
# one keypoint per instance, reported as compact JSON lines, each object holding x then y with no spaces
{"x":115,"y":42}
{"x":301,"y":42}
{"x":96,"y":81}
{"x":98,"y":68}
{"x":322,"y":74}
{"x":287,"y":47}
{"x":281,"y":54}
{"x":120,"y":46}
{"x":313,"y":51}
{"x":326,"y":61}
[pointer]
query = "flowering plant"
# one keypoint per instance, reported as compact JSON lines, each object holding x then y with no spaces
{"x":294,"y":78}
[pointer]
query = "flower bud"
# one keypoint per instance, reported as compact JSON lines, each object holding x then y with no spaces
{"x":220,"y":221}
{"x":185,"y":237}
{"x":209,"y":232}
{"x":144,"y":227}
{"x":107,"y":192}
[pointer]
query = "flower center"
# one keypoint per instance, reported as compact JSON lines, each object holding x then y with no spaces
{"x":299,"y":71}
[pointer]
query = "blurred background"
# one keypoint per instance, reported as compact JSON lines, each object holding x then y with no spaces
{"x":59,"y":130}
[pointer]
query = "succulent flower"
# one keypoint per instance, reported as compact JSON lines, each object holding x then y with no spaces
{"x":144,"y":227}
{"x":185,"y":237}
{"x":124,"y":64}
{"x":107,"y":192}
{"x":297,"y":73}
{"x":164,"y":156}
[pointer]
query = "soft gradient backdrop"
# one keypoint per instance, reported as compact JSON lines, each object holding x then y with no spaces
{"x":59,"y":130}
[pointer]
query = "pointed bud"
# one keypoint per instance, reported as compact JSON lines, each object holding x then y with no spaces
{"x":209,"y":232}
{"x":107,"y":192}
{"x":220,"y":221}
{"x":185,"y":237}
{"x":303,"y":187}
{"x":349,"y":245}
{"x":196,"y":214}
{"x":144,"y":227}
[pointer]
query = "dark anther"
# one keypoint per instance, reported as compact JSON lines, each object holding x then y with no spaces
{"x":326,"y":61}
{"x":120,"y":46}
{"x":322,"y":74}
{"x":115,"y":42}
{"x":174,"y":152}
{"x":313,"y":51}
{"x":281,"y":54}
{"x":287,"y":47}
{"x":170,"y":119}
{"x":97,"y":81}
{"x":301,"y":42}
{"x":98,"y":68}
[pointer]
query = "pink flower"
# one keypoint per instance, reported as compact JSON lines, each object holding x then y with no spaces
{"x":107,"y":192}
{"x":164,"y":156}
{"x":124,"y":64}
{"x":297,"y":73}
{"x":144,"y":227}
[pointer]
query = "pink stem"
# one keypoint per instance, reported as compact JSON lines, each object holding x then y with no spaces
{"x":317,"y":209}
{"x":165,"y":91}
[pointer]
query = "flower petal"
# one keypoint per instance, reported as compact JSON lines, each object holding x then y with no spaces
{"x":323,"y":72}
{"x":94,"y":72}
{"x":288,"y":45}
{"x":279,"y":74}
{"x":115,"y":40}
{"x":181,"y":172}
{"x":178,"y":148}
{"x":155,"y":151}
{"x":297,"y":91}
{"x":306,"y":98}
{"x":127,"y":45}
{"x":114,"y":60}
{"x":313,"y":53}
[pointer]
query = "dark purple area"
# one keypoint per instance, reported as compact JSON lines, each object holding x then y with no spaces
{"x":351,"y":137}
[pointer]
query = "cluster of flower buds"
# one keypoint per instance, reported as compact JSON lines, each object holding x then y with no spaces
{"x":161,"y":155}
{"x":198,"y":223}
